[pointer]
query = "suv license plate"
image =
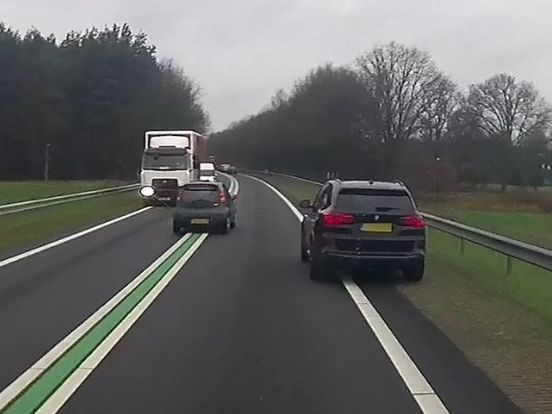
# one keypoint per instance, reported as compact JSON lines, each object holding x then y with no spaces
{"x":200,"y":221}
{"x":377,"y":227}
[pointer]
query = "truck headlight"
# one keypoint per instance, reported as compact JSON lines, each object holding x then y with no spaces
{"x":147,"y":191}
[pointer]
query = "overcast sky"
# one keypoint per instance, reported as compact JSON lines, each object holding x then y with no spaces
{"x":241,"y":51}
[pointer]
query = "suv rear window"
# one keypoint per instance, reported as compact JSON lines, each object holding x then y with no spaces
{"x":359,"y":200}
{"x":199,"y":196}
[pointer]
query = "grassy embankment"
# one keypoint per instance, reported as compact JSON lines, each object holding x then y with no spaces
{"x":37,"y":226}
{"x":14,"y":191}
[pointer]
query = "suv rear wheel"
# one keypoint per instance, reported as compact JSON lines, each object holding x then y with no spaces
{"x":414,"y":272}
{"x":304,"y":254}
{"x":304,"y":251}
{"x":321,"y":268}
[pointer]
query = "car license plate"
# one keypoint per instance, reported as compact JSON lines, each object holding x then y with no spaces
{"x":200,"y":221}
{"x":377,"y":227}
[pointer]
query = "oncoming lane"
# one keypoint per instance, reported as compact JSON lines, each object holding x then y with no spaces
{"x":49,"y":382}
{"x":45,"y":296}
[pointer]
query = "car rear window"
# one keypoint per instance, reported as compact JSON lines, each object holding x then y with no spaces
{"x":374,"y":201}
{"x":199,"y":196}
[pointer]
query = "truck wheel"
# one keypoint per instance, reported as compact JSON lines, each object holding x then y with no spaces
{"x":414,"y":272}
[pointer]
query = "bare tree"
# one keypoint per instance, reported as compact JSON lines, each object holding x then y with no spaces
{"x":406,"y":87}
{"x":441,"y":105}
{"x":507,"y":109}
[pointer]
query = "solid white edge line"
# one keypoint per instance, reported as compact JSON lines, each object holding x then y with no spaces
{"x":19,"y":384}
{"x":234,"y":183}
{"x":66,"y":239}
{"x":71,"y":384}
{"x":420,"y":389}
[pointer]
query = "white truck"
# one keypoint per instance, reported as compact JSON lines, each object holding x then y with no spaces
{"x":207,"y":172}
{"x":170,"y":160}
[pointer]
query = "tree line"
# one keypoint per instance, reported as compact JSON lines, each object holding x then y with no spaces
{"x":90,"y":97}
{"x":395,"y":114}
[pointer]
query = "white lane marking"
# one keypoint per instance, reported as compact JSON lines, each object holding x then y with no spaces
{"x":71,"y":384}
{"x":234,"y":184}
{"x":63,"y":240}
{"x":23,"y":381}
{"x":420,"y":389}
{"x":283,"y":197}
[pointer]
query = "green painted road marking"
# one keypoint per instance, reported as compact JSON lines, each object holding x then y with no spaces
{"x":45,"y":385}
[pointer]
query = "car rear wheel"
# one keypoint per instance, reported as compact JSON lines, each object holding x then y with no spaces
{"x":225,"y":226}
{"x":177,"y":228}
{"x":414,"y":272}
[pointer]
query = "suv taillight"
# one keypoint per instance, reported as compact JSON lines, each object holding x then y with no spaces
{"x":413,"y":222}
{"x":222,"y":198}
{"x":337,"y":219}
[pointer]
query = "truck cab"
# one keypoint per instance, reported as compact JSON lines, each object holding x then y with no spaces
{"x":170,"y":160}
{"x":166,"y":169}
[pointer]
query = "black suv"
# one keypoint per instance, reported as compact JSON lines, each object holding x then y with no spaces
{"x":366,"y":223}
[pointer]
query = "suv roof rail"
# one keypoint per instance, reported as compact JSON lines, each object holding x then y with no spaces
{"x":399,"y":182}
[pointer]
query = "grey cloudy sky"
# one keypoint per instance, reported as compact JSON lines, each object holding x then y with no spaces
{"x":241,"y":51}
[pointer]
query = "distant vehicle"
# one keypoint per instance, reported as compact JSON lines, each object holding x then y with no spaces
{"x":228,"y":168}
{"x":207,"y":172}
{"x":363,"y":223}
{"x":170,"y":160}
{"x":224,"y":168}
{"x":204,"y":206}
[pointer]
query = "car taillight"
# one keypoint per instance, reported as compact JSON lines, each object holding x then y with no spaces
{"x":337,"y":219}
{"x":222,"y":198}
{"x":414,"y":222}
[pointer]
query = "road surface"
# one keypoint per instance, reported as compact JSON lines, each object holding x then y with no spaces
{"x":239,"y":329}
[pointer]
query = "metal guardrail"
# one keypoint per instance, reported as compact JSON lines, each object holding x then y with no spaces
{"x":19,"y":207}
{"x":511,"y":248}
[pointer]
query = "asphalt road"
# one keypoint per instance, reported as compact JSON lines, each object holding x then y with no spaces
{"x":241,"y":328}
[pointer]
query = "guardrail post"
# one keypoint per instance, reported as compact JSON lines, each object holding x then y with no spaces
{"x":461,"y":245}
{"x":508,"y":265}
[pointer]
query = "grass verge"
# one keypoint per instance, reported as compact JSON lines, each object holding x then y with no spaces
{"x":503,"y":323}
{"x":522,"y":216}
{"x":14,"y":191}
{"x":36,"y":226}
